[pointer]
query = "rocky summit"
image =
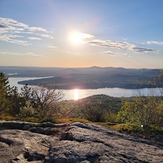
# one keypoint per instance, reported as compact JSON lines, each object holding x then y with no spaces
{"x":22,"y":142}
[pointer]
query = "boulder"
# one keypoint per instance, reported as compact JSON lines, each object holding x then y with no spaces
{"x":95,"y":144}
{"x":75,"y":143}
{"x":20,"y":146}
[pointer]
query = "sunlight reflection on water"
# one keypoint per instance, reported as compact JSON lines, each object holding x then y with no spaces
{"x":76,"y":94}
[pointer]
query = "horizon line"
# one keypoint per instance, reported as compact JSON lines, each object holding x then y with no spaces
{"x":82,"y":67}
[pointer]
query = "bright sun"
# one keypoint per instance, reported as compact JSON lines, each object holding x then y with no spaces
{"x":75,"y":37}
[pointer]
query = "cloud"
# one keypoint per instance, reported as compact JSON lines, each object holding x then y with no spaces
{"x":10,"y":22}
{"x":45,"y":35}
{"x":34,"y":38}
{"x":119,"y":45}
{"x":38,"y":29}
{"x":13,"y":39}
{"x":110,"y":53}
{"x":113,"y":54}
{"x":11,"y":30}
{"x":155,"y":42}
{"x":85,"y":35}
{"x":20,"y":54}
{"x":52,"y":47}
{"x":145,"y":50}
{"x":112,"y":44}
{"x":32,"y":54}
{"x":2,"y":26}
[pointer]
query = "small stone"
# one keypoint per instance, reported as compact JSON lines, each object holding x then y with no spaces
{"x":47,"y":130}
{"x":85,"y":161}
{"x":47,"y":158}
{"x":39,"y":130}
{"x":26,"y":155}
{"x":26,"y":127}
{"x":47,"y":124}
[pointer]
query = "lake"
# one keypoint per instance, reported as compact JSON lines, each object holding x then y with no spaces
{"x":76,"y":94}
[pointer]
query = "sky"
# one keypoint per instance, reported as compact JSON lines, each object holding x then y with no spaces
{"x":81,"y":33}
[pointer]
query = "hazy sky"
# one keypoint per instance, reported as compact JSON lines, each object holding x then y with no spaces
{"x":81,"y":33}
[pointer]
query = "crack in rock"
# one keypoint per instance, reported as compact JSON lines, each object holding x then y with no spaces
{"x":75,"y":143}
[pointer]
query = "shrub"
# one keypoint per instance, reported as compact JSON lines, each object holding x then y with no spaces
{"x":150,"y":132}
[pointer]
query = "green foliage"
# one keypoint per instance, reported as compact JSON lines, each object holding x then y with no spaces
{"x":129,"y":128}
{"x":15,"y":101}
{"x":94,"y":108}
{"x":27,"y":110}
{"x":103,"y":101}
{"x":39,"y":103}
{"x":142,"y":110}
{"x":52,"y":119}
{"x":10,"y":99}
{"x":45,"y":102}
{"x":4,"y":90}
{"x":159,"y":114}
{"x":7,"y":117}
{"x":81,"y":120}
{"x":150,"y":132}
{"x":71,"y":120}
{"x":26,"y":92}
{"x":94,"y":113}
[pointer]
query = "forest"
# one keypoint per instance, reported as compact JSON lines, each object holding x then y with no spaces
{"x":97,"y":77}
{"x":85,"y":78}
{"x":140,"y":114}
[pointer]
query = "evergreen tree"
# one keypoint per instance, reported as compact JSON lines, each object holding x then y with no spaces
{"x":4,"y":90}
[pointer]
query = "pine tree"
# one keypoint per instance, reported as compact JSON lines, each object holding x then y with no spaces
{"x":4,"y":90}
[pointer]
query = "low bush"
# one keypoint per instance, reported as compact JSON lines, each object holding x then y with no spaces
{"x":129,"y":128}
{"x":7,"y":117}
{"x":149,"y":132}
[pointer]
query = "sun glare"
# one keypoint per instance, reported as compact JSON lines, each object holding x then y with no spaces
{"x":75,"y":37}
{"x":76,"y":94}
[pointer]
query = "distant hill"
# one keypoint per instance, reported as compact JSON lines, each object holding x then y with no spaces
{"x":92,"y":77}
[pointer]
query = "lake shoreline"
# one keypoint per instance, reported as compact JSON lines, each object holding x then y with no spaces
{"x":83,"y":86}
{"x":72,"y":94}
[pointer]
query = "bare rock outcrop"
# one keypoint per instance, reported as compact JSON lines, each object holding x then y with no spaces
{"x":76,"y":143}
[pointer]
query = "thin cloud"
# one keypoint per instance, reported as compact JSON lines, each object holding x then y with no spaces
{"x":155,"y":42}
{"x":2,"y":26}
{"x":52,"y":47}
{"x":38,"y":29}
{"x":33,"y":54}
{"x":110,"y":53}
{"x":119,"y":45}
{"x":85,"y":36}
{"x":20,"y":54}
{"x":112,"y":44}
{"x":34,"y":38}
{"x":144,"y":50}
{"x":44,"y":35}
{"x":10,"y":28}
{"x":13,"y":39}
{"x":113,"y":54}
{"x":11,"y":22}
